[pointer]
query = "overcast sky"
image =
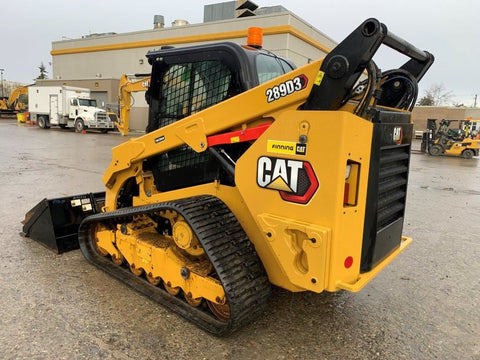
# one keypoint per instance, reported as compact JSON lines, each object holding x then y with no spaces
{"x":448,"y":29}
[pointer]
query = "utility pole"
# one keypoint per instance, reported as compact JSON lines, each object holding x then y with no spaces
{"x":1,"y":76}
{"x":475,"y":101}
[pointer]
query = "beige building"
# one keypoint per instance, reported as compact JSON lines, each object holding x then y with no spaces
{"x":420,"y":115}
{"x":104,"y":90}
{"x":98,"y":61}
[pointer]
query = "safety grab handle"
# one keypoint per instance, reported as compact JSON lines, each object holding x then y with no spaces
{"x":372,"y":27}
{"x":402,"y":46}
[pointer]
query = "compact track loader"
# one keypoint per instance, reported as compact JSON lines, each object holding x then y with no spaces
{"x":252,"y":173}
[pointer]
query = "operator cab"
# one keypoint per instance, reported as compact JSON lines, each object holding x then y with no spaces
{"x":187,"y":80}
{"x":190,"y":79}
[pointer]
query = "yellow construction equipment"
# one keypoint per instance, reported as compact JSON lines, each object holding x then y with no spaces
{"x":3,"y":104}
{"x":252,"y":173}
{"x":125,"y":89}
{"x":447,"y":141}
{"x":14,"y":98}
{"x":13,"y":104}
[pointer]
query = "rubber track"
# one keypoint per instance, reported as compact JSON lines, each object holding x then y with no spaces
{"x":231,"y":253}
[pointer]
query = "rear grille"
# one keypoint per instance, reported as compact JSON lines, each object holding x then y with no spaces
{"x":392,"y":184}
{"x":387,"y":187}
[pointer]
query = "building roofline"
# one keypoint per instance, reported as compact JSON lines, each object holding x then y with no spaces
{"x":273,"y":30}
{"x":82,"y":79}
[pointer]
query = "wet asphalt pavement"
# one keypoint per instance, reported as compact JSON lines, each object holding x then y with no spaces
{"x":425,"y":305}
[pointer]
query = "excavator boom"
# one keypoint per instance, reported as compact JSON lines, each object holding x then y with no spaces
{"x":12,"y":104}
{"x":125,"y":89}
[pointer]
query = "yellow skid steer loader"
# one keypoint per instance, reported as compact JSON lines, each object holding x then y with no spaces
{"x":252,"y":172}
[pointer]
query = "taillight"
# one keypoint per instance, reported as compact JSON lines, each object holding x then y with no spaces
{"x":348,"y":262}
{"x":352,"y":175}
{"x":346,"y":194}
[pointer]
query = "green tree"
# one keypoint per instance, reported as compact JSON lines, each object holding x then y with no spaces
{"x":43,"y":72}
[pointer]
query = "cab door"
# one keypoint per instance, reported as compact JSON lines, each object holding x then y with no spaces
{"x":73,"y":108}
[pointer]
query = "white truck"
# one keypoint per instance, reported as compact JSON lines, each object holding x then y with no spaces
{"x":66,"y":106}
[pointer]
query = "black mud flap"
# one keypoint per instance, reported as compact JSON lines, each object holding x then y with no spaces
{"x":54,"y":222}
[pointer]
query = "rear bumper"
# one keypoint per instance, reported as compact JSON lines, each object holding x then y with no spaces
{"x":364,"y":278}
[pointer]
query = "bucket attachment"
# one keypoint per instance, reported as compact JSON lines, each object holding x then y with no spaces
{"x":54,"y":223}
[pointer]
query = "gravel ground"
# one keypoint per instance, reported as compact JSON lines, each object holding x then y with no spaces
{"x":425,"y":305}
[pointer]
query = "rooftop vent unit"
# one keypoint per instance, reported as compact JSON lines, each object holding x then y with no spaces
{"x":179,"y":22}
{"x":270,"y":10}
{"x":158,"y":22}
{"x":229,"y":10}
{"x":245,"y":8}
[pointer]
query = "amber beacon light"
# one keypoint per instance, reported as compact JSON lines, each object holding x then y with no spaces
{"x":255,"y":35}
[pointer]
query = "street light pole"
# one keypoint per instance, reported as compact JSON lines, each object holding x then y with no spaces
{"x":1,"y":76}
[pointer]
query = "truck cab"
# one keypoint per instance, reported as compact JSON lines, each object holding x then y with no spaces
{"x":83,"y":113}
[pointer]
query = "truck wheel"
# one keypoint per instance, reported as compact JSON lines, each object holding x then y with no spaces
{"x":467,"y":153}
{"x":42,"y":122}
{"x":435,"y":150}
{"x":79,"y":125}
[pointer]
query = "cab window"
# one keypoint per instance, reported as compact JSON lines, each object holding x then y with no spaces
{"x":270,"y":67}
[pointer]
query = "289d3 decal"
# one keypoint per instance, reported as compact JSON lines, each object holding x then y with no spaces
{"x":286,"y":88}
{"x":294,"y":180}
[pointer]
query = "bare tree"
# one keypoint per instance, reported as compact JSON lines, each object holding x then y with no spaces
{"x":436,"y":95}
